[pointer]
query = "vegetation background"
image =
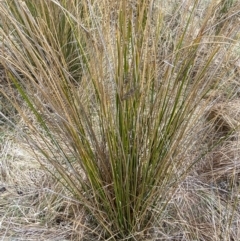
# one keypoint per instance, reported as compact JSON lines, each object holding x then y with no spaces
{"x":119,"y":120}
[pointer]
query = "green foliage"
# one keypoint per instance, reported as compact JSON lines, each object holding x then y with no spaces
{"x":114,"y":113}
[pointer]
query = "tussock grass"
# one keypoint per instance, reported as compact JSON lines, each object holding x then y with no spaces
{"x":116,"y":97}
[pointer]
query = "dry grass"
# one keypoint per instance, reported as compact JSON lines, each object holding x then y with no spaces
{"x":205,"y":206}
{"x":34,"y":207}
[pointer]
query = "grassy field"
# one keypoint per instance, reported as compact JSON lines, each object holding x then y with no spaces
{"x":119,"y":120}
